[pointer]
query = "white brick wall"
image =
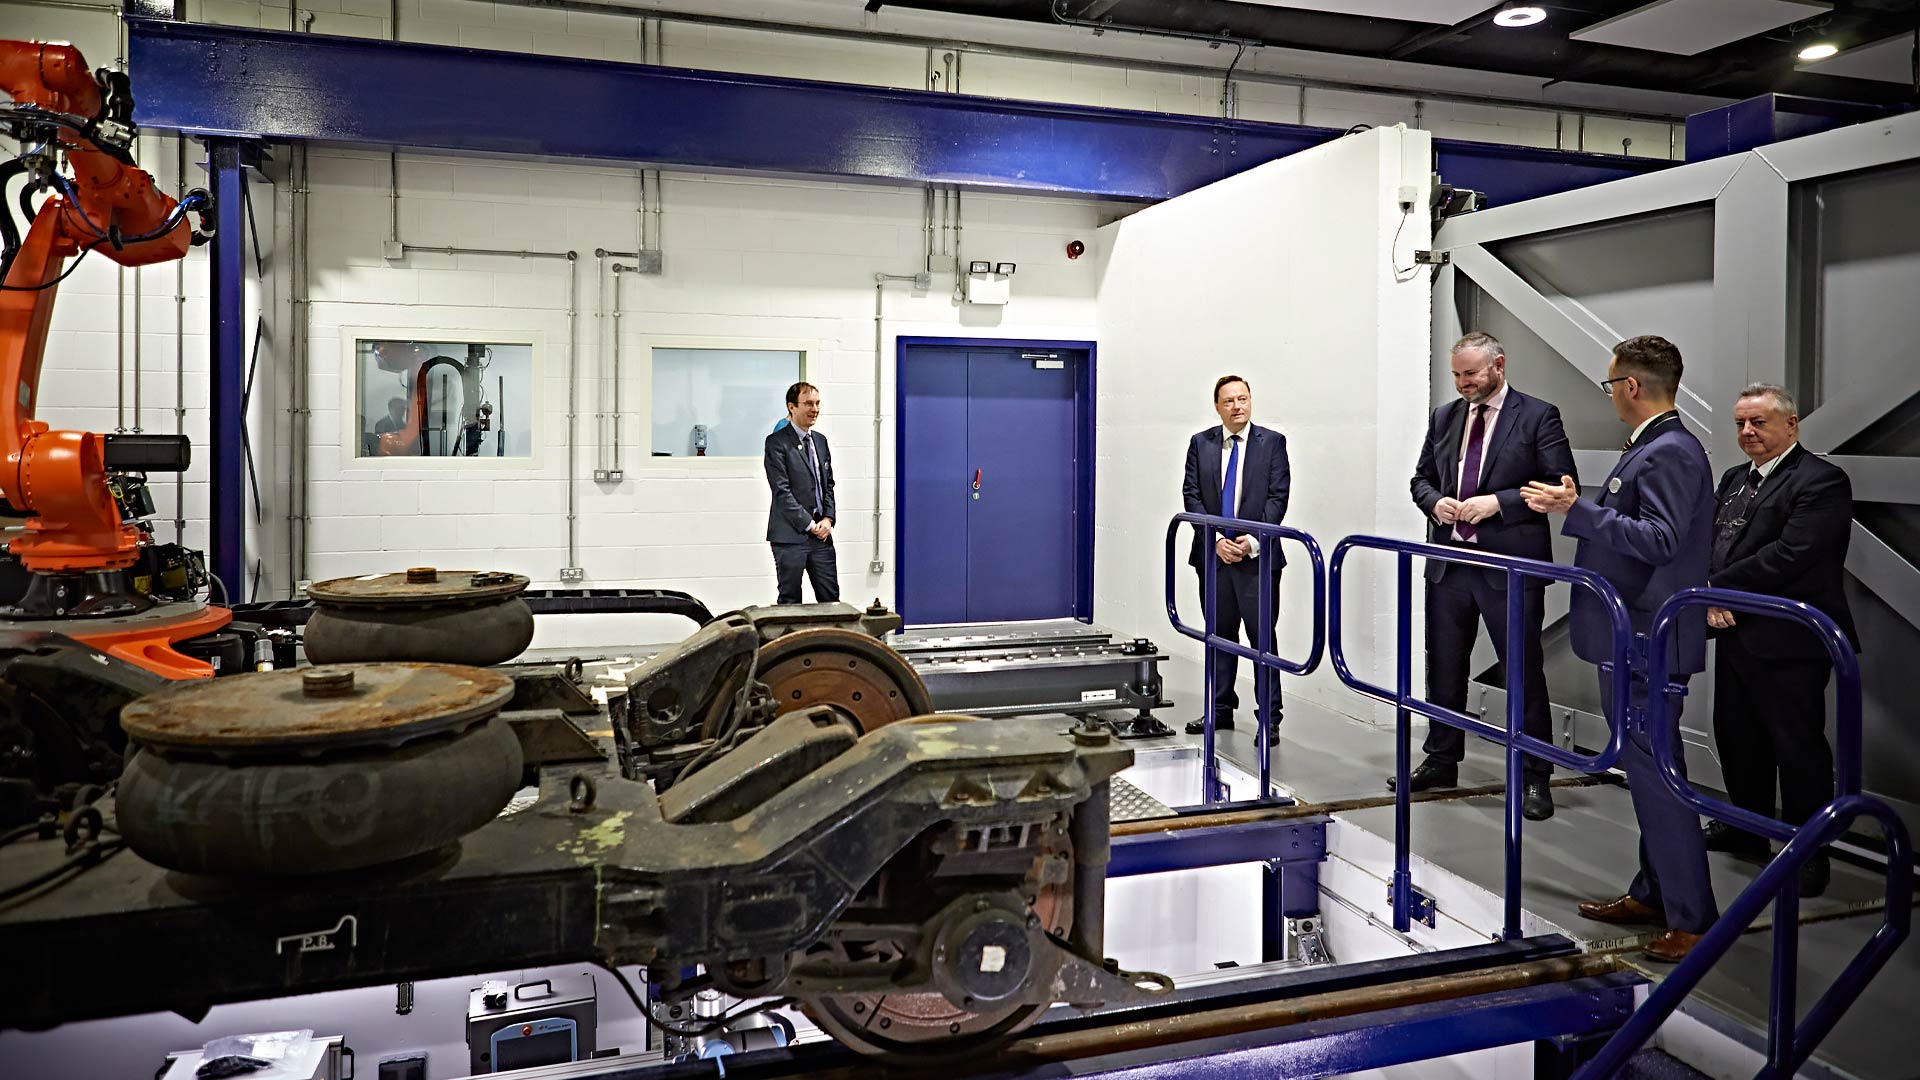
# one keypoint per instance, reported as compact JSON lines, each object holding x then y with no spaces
{"x":745,"y":259}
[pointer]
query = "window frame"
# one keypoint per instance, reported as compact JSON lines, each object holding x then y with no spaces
{"x":743,"y":465}
{"x":350,"y":434}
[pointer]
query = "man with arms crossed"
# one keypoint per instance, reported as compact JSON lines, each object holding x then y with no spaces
{"x":1241,"y":466}
{"x":1649,"y":534}
{"x":800,"y":522}
{"x":1478,"y":452}
{"x":1784,"y":522}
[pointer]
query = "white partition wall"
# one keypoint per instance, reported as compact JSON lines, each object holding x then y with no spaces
{"x":1297,"y":275}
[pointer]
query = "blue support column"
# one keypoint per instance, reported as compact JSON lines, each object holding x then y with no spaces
{"x":227,"y":420}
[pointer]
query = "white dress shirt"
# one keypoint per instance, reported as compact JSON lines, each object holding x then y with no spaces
{"x":1492,"y":417}
{"x":1230,"y":500}
{"x":1773,"y":463}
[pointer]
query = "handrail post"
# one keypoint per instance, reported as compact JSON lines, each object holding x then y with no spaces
{"x":1516,"y":719}
{"x":1210,"y":586}
{"x":1263,"y":679}
{"x":1403,"y":749}
{"x":1783,"y":1004}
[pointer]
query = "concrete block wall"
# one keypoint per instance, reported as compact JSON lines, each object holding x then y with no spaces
{"x":784,"y":263}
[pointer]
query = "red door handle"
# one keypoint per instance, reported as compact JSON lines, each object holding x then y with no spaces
{"x":976,"y":479}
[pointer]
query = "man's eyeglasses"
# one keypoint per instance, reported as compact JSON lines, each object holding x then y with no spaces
{"x":1606,"y":385}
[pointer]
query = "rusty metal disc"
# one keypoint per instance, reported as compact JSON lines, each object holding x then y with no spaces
{"x":316,"y":708}
{"x":917,"y":1028}
{"x":420,"y":586}
{"x":850,"y":671}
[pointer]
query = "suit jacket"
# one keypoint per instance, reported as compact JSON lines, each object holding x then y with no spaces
{"x":1650,"y":533}
{"x":1794,"y":544}
{"x":791,"y":479}
{"x":1528,"y":444}
{"x":1265,"y":481}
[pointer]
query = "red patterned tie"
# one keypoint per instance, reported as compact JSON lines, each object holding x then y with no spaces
{"x":1470,"y":468}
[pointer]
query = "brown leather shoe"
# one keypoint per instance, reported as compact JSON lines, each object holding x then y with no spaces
{"x":1622,"y":909}
{"x":1672,"y":946}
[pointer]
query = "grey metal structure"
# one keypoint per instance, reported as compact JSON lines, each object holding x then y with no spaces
{"x":1047,"y":666}
{"x":1797,"y":263}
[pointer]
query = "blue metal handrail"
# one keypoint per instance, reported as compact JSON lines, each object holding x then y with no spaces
{"x":1512,"y":736}
{"x":1261,"y":652}
{"x":1788,"y":1046}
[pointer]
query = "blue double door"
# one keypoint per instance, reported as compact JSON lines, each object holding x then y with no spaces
{"x":995,"y":482}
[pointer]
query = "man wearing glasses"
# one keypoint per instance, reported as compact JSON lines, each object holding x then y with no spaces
{"x":1649,"y":533}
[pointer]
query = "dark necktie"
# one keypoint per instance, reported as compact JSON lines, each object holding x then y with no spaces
{"x":1732,"y":518}
{"x":1470,"y":468}
{"x":813,"y":466}
{"x":1229,"y":490}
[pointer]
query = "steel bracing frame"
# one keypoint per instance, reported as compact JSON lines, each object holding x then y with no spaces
{"x":1753,"y":259}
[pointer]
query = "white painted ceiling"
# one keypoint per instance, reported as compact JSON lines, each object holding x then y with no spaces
{"x":1439,"y":12}
{"x":1890,"y":60}
{"x":1690,"y":27}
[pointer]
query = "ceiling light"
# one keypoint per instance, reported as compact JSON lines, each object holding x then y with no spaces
{"x":1820,"y":51}
{"x":1519,"y":15}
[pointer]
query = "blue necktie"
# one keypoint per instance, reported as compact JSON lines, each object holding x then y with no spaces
{"x":813,"y":466}
{"x":1229,"y":490}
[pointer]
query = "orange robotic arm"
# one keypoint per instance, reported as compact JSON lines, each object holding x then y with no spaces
{"x":59,"y":478}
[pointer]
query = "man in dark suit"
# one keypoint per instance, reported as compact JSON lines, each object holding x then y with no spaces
{"x":1479,"y":451}
{"x":1649,"y":534}
{"x":800,"y":522}
{"x":1784,"y":522}
{"x":1243,"y":466}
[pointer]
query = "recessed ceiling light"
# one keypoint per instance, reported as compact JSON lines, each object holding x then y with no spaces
{"x":1519,"y":15}
{"x":1819,"y":52}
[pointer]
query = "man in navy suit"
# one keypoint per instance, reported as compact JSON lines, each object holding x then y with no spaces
{"x":1243,"y":466}
{"x":1650,"y":534}
{"x":1783,"y":527}
{"x":1479,"y":451}
{"x":800,"y":521}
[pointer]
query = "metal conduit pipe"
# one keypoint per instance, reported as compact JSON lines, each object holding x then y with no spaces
{"x":618,"y":269}
{"x":573,"y":404}
{"x":609,"y":359}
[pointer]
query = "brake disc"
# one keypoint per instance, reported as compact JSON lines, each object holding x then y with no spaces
{"x":861,"y":677}
{"x":921,"y":1026}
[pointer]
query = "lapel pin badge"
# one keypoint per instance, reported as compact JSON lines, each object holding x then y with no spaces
{"x":1613,"y":486}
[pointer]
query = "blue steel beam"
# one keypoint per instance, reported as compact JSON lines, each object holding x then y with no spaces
{"x":227,"y":300}
{"x":239,"y":82}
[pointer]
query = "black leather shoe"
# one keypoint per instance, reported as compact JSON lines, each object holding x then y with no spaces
{"x":1721,"y":836}
{"x":1431,"y":774}
{"x":1196,"y":727}
{"x":1815,"y":875}
{"x":1536,"y":800}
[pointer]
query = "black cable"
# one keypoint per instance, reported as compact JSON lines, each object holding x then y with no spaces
{"x":86,"y":860}
{"x":63,"y":276}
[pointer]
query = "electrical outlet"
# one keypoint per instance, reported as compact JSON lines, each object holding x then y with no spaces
{"x":614,"y":476}
{"x":300,"y":590}
{"x":1408,"y":193}
{"x":600,"y":475}
{"x":573,"y":575}
{"x":876,"y":567}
